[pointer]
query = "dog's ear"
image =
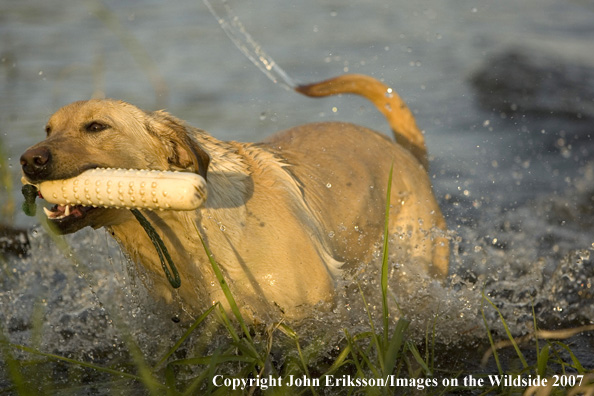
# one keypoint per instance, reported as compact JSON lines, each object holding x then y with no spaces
{"x":183,"y":150}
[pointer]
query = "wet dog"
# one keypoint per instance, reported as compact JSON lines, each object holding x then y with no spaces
{"x":284,"y":218}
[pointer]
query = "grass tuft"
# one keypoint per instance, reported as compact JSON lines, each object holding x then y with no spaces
{"x":370,"y":353}
{"x":7,"y":209}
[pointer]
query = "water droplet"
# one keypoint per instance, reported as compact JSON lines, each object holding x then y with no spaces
{"x":328,"y":185}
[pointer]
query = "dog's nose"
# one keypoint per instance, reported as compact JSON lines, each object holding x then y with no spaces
{"x":35,"y":162}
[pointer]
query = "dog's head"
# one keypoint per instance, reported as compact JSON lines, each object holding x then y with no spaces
{"x":108,"y":134}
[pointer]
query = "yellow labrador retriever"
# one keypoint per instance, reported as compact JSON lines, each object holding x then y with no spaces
{"x":284,"y":218}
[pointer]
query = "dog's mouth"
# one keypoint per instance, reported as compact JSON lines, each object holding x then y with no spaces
{"x":67,"y":219}
{"x":59,"y":213}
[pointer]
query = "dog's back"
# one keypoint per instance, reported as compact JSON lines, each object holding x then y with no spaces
{"x":386,"y":100}
{"x":345,"y":169}
{"x":351,"y":164}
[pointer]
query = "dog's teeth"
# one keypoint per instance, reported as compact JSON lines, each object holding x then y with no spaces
{"x":67,"y":211}
{"x":47,"y":212}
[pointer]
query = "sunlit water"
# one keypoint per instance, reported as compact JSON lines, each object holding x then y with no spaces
{"x":516,"y":190}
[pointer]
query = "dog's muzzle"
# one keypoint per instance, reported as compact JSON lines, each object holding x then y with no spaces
{"x":36,"y":163}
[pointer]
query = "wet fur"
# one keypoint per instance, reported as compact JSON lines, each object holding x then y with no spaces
{"x":284,"y":218}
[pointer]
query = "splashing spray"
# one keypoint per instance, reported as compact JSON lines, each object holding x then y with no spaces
{"x":235,"y":30}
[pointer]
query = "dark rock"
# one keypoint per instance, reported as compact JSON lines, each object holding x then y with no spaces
{"x":531,"y":83}
{"x":13,"y":241}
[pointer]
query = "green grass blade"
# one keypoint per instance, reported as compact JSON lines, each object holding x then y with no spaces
{"x":224,"y":286}
{"x":206,"y":360}
{"x":304,"y":364}
{"x":395,"y":346}
{"x":12,"y":366}
{"x":286,"y":330}
{"x":431,"y":351}
{"x":170,"y":380}
{"x":491,"y":342}
{"x":418,"y":358}
{"x":192,"y":389}
{"x":508,"y":332}
{"x":357,"y":354}
{"x":244,"y":345}
{"x":52,"y":356}
{"x":379,"y":345}
{"x":208,"y":373}
{"x":384,"y":278}
{"x":535,"y":329}
{"x":340,"y":361}
{"x":222,"y":315}
{"x":249,"y":350}
{"x":542,"y":360}
{"x":145,"y":372}
{"x":188,"y":332}
{"x":7,"y":210}
{"x":576,"y":363}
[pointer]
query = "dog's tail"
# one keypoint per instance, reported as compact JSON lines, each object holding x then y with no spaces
{"x":399,"y":116}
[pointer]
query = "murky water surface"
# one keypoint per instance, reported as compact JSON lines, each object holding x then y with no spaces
{"x":516,"y":187}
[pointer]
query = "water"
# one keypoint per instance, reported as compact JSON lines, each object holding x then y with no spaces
{"x":516,"y":190}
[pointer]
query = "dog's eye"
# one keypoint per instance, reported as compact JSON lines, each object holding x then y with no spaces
{"x":95,"y":127}
{"x":48,"y":130}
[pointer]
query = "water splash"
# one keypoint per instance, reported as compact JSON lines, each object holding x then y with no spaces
{"x":533,"y":266}
{"x":235,"y":30}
